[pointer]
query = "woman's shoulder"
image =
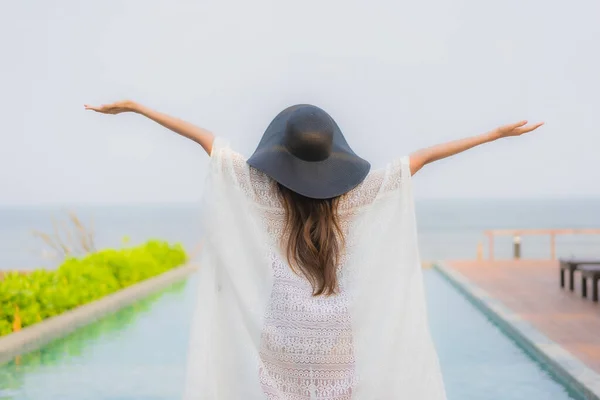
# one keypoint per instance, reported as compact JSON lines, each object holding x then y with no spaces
{"x":264,"y":188}
{"x":365,"y":192}
{"x":379,"y":181}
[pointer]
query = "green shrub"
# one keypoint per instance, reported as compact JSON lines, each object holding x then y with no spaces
{"x":27,"y":299}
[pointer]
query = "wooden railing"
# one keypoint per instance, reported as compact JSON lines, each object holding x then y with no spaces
{"x":517,"y":233}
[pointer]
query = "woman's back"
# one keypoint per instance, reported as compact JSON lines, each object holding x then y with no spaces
{"x":306,"y":350}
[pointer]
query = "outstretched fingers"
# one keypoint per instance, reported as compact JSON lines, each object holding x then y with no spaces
{"x":518,"y":124}
{"x":106,"y":108}
{"x":530,"y":128}
{"x":93,"y":108}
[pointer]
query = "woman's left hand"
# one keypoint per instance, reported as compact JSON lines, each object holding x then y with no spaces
{"x":516,"y":129}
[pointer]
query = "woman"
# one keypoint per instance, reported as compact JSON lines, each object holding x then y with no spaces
{"x":310,"y":284}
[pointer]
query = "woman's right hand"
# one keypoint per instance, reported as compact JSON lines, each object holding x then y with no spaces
{"x":185,"y":129}
{"x":117,"y":107}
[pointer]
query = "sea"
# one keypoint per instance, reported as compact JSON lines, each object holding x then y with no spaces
{"x":448,"y":228}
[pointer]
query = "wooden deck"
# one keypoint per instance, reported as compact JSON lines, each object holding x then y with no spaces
{"x":531,"y":289}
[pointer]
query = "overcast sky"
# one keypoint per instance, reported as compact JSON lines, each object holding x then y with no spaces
{"x":396,"y":75}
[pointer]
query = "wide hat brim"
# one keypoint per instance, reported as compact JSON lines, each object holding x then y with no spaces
{"x":339,"y":173}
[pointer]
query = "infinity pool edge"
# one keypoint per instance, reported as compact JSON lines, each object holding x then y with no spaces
{"x":568,"y":369}
{"x":42,"y":333}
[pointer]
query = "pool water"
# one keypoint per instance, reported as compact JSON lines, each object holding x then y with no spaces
{"x":139,"y":354}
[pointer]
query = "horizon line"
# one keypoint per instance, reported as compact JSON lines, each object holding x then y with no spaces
{"x":199,"y":201}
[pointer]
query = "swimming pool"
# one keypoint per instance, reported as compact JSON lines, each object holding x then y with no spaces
{"x":139,"y":354}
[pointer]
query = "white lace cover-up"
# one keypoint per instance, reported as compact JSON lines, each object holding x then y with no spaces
{"x":260,"y":334}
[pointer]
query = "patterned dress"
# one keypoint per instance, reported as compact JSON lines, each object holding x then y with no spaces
{"x":306,"y":345}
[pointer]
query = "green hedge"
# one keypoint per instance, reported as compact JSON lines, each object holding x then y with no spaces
{"x":27,"y":299}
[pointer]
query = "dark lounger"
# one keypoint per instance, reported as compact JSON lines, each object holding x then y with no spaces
{"x":571,"y":265}
{"x":591,"y":271}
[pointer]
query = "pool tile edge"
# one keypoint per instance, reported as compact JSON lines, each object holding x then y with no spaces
{"x":568,"y":368}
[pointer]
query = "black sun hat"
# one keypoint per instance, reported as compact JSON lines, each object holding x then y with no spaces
{"x":304,"y":150}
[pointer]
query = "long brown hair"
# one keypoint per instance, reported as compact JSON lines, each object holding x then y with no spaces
{"x":313,"y":239}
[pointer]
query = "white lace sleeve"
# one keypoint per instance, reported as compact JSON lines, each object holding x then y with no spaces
{"x":231,"y":164}
{"x":398,"y":175}
{"x":378,"y":183}
{"x":256,"y":185}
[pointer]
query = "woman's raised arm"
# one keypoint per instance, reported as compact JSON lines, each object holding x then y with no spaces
{"x":422,"y":157}
{"x":199,"y":135}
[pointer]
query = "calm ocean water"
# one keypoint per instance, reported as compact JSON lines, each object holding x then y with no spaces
{"x":448,"y":229}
